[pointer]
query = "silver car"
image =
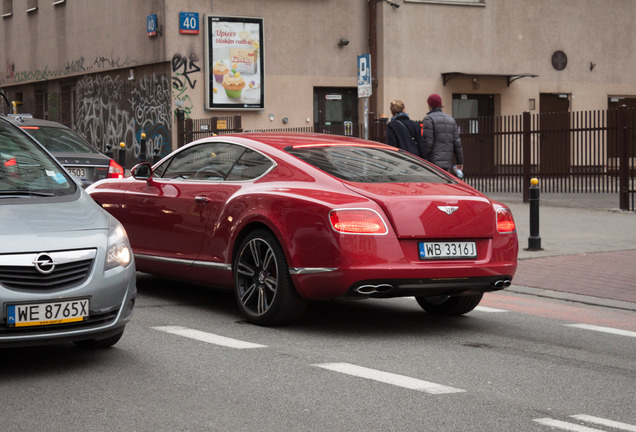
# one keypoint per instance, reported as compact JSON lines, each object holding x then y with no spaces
{"x":66,"y":267}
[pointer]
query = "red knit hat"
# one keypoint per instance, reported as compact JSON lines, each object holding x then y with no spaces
{"x":434,"y":100}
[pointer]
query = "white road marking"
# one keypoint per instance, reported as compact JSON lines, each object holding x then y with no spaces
{"x":565,"y":425}
{"x":389,"y":378}
{"x":604,"y":329}
{"x":208,"y":337}
{"x":605,"y":422}
{"x":488,"y":309}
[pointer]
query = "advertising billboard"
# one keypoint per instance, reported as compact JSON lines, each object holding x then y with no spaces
{"x":234,"y":63}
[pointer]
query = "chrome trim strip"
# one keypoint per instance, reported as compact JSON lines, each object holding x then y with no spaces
{"x":61,"y":257}
{"x":218,"y":266}
{"x":206,"y":264}
{"x":163,"y":259}
{"x":310,"y":270}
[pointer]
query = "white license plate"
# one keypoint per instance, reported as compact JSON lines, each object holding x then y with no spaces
{"x":447,"y":250}
{"x":78,"y":172}
{"x":36,"y":314}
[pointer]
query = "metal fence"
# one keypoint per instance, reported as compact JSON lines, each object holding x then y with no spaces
{"x":578,"y":152}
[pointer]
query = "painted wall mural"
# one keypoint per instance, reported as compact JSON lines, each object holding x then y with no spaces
{"x":111,"y":110}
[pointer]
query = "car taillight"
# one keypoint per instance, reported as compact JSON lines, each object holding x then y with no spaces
{"x":357,"y":221}
{"x":115,"y":170}
{"x":505,"y":221}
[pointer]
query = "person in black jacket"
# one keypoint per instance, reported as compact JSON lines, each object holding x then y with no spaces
{"x":441,"y":138}
{"x":404,"y":133}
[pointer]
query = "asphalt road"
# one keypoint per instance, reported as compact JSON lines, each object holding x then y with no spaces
{"x":189,"y":362}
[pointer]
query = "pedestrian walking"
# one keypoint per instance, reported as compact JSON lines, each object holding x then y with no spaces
{"x":404,"y":133}
{"x":441,"y":138}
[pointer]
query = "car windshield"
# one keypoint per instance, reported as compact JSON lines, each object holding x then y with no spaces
{"x":368,"y":164}
{"x":26,"y":170}
{"x":59,"y":140}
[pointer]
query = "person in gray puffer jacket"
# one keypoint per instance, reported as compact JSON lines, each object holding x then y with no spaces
{"x":441,"y":137}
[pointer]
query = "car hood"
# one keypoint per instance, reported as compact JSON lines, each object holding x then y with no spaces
{"x":51,"y":218}
{"x":432,"y":210}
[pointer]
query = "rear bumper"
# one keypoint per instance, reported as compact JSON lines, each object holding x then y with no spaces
{"x":373,"y":282}
{"x":428,"y":287}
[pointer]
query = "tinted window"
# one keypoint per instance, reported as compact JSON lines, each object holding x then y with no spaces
{"x":209,"y":161}
{"x":25,"y":168}
{"x":250,"y":166}
{"x":59,"y":140}
{"x":368,"y":164}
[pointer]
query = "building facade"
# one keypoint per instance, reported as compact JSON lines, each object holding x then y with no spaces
{"x":117,"y":69}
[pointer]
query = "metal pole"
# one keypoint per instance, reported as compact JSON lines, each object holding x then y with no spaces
{"x":142,"y":148}
{"x":534,"y":241}
{"x":366,"y":118}
{"x":122,"y":155}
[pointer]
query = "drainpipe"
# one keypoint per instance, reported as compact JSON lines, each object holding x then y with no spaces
{"x":373,"y":50}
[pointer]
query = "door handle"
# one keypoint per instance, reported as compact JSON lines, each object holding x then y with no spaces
{"x":202,"y":199}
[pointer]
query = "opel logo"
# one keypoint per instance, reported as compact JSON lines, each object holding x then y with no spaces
{"x":44,"y":263}
{"x":448,"y":209}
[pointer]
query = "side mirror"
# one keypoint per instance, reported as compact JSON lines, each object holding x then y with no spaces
{"x":142,"y":171}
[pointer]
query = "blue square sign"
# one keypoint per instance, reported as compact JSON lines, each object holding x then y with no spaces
{"x":189,"y":22}
{"x":151,"y":25}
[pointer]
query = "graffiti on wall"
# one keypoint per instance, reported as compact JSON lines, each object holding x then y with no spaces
{"x":182,"y":81}
{"x":111,"y":110}
{"x":72,"y":67}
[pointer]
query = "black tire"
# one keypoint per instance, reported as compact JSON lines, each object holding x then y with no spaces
{"x":100,"y":343}
{"x":449,"y":305}
{"x":262,"y":284}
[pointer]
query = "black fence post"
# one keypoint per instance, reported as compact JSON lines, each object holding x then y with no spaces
{"x":142,"y":148}
{"x":121,"y":155}
{"x":238,"y":126}
{"x":156,"y":156}
{"x":109,"y":151}
{"x":180,"y":127}
{"x":527,"y":155}
{"x":534,"y":241}
{"x":623,"y":168}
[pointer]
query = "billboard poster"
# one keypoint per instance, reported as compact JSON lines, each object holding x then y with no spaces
{"x":234,"y":63}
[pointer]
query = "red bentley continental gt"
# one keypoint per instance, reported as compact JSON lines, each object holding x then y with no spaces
{"x":283,"y":219}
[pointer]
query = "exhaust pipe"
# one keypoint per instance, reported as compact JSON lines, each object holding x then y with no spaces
{"x":503,"y":283}
{"x":373,"y":289}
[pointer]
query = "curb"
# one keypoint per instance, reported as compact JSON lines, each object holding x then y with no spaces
{"x":575,"y":298}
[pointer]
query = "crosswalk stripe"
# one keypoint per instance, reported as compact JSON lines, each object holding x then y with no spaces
{"x":604,"y":329}
{"x":565,"y":425}
{"x":389,"y":378}
{"x":208,"y":337}
{"x":605,"y":422}
{"x":489,"y":309}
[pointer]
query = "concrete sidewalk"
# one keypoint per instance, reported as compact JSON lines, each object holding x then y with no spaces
{"x":588,"y":249}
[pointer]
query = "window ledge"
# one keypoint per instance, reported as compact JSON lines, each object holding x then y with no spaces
{"x":7,"y":15}
{"x":450,"y":2}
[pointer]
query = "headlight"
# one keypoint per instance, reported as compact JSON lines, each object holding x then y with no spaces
{"x":118,"y":252}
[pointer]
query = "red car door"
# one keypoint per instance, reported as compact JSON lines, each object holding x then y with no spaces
{"x":168,"y":218}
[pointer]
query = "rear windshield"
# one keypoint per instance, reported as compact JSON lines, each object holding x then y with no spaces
{"x":368,"y":164}
{"x":59,"y":140}
{"x":26,"y":170}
